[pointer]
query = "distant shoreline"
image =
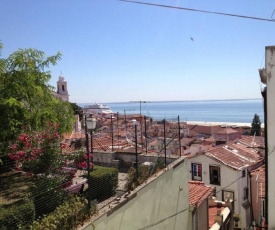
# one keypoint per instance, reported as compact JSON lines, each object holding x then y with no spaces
{"x":229,"y":124}
{"x":175,"y":101}
{"x":205,"y":123}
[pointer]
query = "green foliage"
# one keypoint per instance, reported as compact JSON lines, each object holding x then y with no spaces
{"x":16,"y":215}
{"x":77,"y":110}
{"x":256,"y":125}
{"x":48,"y":193}
{"x":26,"y":98}
{"x":104,"y":182}
{"x":67,"y":216}
{"x":144,"y":172}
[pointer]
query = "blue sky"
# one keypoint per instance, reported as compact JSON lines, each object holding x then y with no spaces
{"x":115,"y":51}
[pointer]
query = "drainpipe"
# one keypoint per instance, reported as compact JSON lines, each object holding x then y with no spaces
{"x":250,"y":190}
{"x":266,"y":154}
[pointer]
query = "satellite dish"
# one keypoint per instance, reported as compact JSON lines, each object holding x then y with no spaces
{"x":129,"y":139}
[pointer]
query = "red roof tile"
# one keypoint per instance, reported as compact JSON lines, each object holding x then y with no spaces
{"x":235,"y":156}
{"x":212,"y":211}
{"x":198,"y":192}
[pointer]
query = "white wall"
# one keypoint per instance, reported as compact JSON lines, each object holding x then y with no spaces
{"x":157,"y":202}
{"x":229,"y":181}
{"x":270,"y":71}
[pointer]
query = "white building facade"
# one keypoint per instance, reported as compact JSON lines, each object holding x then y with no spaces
{"x":267,"y":75}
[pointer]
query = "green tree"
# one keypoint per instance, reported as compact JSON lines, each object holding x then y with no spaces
{"x":77,"y":110}
{"x":27,"y":101}
{"x":256,"y":125}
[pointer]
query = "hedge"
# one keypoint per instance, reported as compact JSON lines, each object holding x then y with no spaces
{"x":16,"y":215}
{"x":66,"y":217}
{"x":104,"y":181}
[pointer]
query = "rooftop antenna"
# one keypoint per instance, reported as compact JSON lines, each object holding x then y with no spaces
{"x":252,"y":142}
{"x":139,"y":104}
{"x":140,"y":118}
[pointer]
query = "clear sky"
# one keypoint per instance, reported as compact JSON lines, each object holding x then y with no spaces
{"x":115,"y":51}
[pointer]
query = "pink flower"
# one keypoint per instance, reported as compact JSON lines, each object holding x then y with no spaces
{"x":14,"y":146}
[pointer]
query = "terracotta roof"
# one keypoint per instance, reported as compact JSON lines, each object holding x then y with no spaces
{"x":204,"y":129}
{"x":105,"y":143}
{"x":212,"y":211}
{"x":234,"y":155}
{"x":186,"y":140}
{"x":226,"y":130}
{"x":198,"y":192}
{"x":252,"y":141}
{"x":66,"y":149}
{"x":73,"y":135}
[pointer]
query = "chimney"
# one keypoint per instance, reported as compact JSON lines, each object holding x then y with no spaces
{"x":219,"y":216}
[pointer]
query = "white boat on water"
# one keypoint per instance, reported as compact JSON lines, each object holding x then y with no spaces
{"x":99,"y":110}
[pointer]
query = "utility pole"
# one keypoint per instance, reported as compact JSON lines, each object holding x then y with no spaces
{"x":145,"y":135}
{"x":140,"y":119}
{"x":179,"y":133}
{"x":139,"y":104}
{"x":117,"y":127}
{"x":112,"y":129}
{"x":136,"y":152}
{"x":164,"y":121}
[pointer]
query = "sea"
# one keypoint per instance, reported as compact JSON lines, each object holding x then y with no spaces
{"x":224,"y":111}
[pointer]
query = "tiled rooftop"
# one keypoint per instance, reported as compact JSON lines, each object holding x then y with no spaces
{"x":234,"y":155}
{"x":198,"y":192}
{"x":226,"y":130}
{"x":212,"y":211}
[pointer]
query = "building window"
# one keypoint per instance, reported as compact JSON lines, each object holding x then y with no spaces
{"x":196,"y":171}
{"x":245,"y":193}
{"x":215,"y":175}
{"x":244,"y":173}
{"x":63,"y":88}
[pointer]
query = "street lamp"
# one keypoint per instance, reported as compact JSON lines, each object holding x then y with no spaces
{"x":90,"y":126}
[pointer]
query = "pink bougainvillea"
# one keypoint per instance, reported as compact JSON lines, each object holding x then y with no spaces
{"x":80,"y":159}
{"x":38,"y":152}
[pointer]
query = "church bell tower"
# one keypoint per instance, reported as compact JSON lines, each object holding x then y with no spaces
{"x":62,"y":90}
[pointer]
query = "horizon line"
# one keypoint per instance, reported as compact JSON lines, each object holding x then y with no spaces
{"x":160,"y":101}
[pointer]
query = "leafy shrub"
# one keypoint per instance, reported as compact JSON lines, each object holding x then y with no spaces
{"x":16,"y":215}
{"x":67,"y":216}
{"x":48,"y":193}
{"x":6,"y":164}
{"x":144,"y":172}
{"x":104,"y":182}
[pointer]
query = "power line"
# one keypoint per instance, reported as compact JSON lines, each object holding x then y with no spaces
{"x":201,"y":11}
{"x":162,"y":220}
{"x":229,"y":184}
